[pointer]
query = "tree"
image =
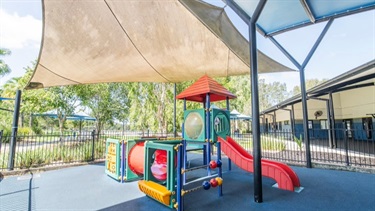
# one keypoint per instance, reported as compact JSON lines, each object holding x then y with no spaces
{"x":64,"y":101}
{"x":271,"y":94}
{"x":310,"y":83}
{"x":107,"y":101}
{"x":33,"y":101}
{"x":4,"y":68}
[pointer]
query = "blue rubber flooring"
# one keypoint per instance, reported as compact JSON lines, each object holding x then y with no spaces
{"x":89,"y":188}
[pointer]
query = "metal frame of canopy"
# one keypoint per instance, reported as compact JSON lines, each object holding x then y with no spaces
{"x":253,"y":27}
{"x":3,"y":99}
{"x":73,"y":117}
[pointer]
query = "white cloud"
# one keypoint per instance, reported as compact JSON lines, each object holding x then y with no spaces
{"x":19,"y":31}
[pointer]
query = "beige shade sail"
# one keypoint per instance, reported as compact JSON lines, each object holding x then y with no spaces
{"x":86,"y":41}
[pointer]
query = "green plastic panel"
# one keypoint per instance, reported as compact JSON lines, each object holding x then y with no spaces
{"x":194,"y":125}
{"x":113,"y":158}
{"x":169,"y":146}
{"x":220,"y":121}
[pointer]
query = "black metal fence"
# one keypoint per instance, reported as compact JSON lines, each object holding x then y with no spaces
{"x":344,"y":150}
{"x":72,"y":147}
{"x":54,"y":149}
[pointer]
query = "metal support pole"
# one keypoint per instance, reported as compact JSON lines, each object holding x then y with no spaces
{"x":229,"y":160}
{"x":274,"y":124}
{"x":220,"y":174}
{"x":332,"y":119}
{"x":13,"y":141}
{"x":123,"y":160}
{"x":174,"y":111}
{"x":258,"y":192}
{"x":306,"y":136}
{"x":329,"y":126}
{"x":208,"y":130}
{"x":184,"y":163}
{"x":293,"y":122}
{"x":180,"y":204}
{"x":303,"y":93}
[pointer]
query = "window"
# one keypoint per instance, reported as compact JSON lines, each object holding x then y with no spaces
{"x":286,"y":122}
{"x":310,"y":124}
{"x":323,"y":124}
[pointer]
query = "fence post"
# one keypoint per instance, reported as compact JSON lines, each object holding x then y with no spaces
{"x":93,"y":145}
{"x":13,"y":141}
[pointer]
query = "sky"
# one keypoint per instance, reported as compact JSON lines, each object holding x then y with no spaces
{"x":349,"y":43}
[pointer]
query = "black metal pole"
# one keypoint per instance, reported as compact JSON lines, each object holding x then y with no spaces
{"x":174,"y":111}
{"x":306,"y":136}
{"x":329,"y":126}
{"x":332,"y":119}
{"x":229,"y":160}
{"x":13,"y":141}
{"x":258,"y":192}
{"x":292,"y":122}
{"x":303,"y":92}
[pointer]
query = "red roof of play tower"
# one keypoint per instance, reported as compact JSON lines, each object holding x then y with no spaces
{"x":198,"y":90}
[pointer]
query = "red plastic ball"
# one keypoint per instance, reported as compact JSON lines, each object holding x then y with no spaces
{"x":213,"y":164}
{"x":214,"y":182}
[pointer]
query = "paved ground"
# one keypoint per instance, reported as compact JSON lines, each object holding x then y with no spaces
{"x":89,"y":188}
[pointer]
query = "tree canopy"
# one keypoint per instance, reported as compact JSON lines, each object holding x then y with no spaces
{"x":143,"y":106}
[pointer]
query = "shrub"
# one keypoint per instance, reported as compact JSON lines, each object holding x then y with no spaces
{"x":25,"y":131}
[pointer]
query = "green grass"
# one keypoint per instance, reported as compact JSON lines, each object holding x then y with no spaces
{"x":267,"y":143}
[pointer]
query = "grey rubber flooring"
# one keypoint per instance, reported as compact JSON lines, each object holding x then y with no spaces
{"x":89,"y":188}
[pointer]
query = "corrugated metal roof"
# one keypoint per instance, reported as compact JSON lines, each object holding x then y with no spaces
{"x":282,"y":16}
{"x":361,"y":75}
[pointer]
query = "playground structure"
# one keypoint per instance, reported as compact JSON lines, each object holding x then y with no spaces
{"x":165,"y":161}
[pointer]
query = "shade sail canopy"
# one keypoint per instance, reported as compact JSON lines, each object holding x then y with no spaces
{"x":140,"y":41}
{"x":205,"y":85}
{"x":234,"y":113}
{"x":281,"y":16}
{"x":74,"y":117}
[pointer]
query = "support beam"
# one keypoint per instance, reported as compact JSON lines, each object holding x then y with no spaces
{"x":13,"y":140}
{"x":174,"y":110}
{"x":293,"y":122}
{"x":332,"y":119}
{"x":303,"y":93}
{"x":258,"y":191}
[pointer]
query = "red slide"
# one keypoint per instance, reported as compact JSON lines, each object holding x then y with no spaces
{"x":285,"y":177}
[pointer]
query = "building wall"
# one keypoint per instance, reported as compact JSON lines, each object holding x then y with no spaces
{"x":352,"y":105}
